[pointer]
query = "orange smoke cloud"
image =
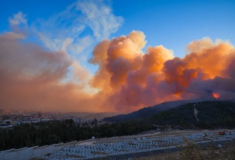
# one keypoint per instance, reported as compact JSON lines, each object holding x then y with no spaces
{"x":138,"y":79}
{"x":126,"y":80}
{"x":32,"y":79}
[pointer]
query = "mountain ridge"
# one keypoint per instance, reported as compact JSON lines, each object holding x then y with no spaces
{"x":151,"y":110}
{"x":211,"y":114}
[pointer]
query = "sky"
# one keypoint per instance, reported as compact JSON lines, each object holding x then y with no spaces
{"x":165,"y":22}
{"x":76,"y":30}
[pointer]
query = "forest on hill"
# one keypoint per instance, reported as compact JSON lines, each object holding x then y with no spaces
{"x":148,"y":111}
{"x":210,"y":114}
{"x":46,"y":133}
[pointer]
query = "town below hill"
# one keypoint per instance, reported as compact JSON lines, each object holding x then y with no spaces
{"x":196,"y":115}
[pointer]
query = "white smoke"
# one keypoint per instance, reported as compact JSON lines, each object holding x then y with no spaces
{"x":195,"y":112}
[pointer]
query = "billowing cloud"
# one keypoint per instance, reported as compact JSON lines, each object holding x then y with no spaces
{"x":126,"y":80}
{"x":31,"y":77}
{"x":50,"y":77}
{"x":135,"y":79}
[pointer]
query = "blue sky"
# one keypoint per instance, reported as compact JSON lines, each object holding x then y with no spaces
{"x":171,"y":23}
{"x":174,"y":23}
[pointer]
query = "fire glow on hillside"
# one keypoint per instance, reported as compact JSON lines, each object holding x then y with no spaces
{"x":215,"y":95}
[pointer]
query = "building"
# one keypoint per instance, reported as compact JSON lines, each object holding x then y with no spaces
{"x":77,"y":120}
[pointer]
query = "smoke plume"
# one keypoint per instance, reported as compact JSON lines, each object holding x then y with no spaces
{"x":32,"y":78}
{"x":127,"y":78}
{"x":135,"y":79}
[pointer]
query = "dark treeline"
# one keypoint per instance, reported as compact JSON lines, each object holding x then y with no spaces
{"x":211,"y":115}
{"x":146,"y":111}
{"x":26,"y":135}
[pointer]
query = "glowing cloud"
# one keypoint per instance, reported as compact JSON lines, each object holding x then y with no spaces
{"x":126,"y":80}
{"x":136,"y":79}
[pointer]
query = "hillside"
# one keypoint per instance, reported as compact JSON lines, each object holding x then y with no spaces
{"x":211,"y":114}
{"x":148,"y":111}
